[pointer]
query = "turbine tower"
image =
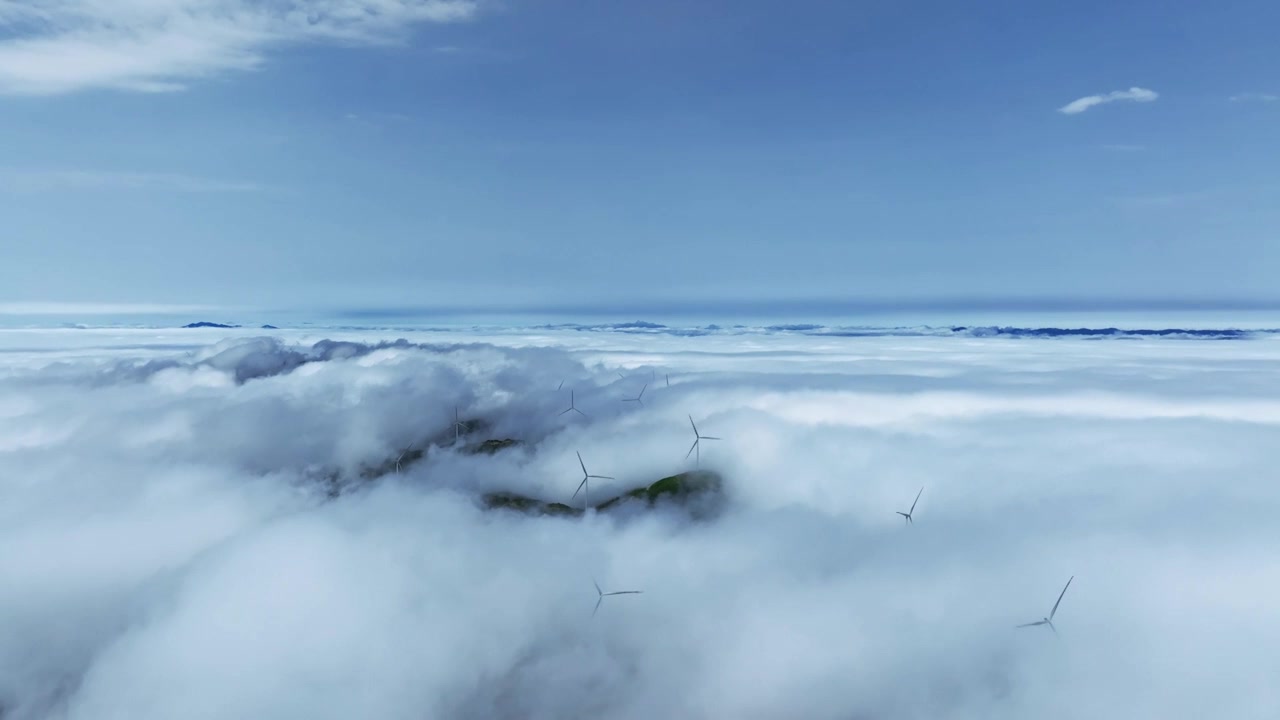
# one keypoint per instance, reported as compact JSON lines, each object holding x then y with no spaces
{"x":458,"y":426}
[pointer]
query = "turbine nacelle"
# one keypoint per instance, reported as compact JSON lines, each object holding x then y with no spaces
{"x":908,"y":514}
{"x":1049,"y":620}
{"x":601,"y":595}
{"x":573,"y":406}
{"x":638,"y":398}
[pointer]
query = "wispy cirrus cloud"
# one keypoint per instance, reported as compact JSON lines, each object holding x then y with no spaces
{"x":61,"y":46}
{"x":1255,"y":97}
{"x":1134,"y":94}
{"x":1217,"y":196}
{"x":40,"y":180}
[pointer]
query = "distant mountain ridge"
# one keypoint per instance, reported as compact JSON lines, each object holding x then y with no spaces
{"x":207,"y":324}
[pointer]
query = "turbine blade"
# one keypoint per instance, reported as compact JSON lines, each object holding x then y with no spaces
{"x":1054,"y":629}
{"x":695,"y":427}
{"x":584,"y":465}
{"x":580,"y":485}
{"x":579,"y":412}
{"x":1064,"y":592}
{"x":564,"y":411}
{"x":708,"y":437}
{"x":598,"y":590}
{"x":601,"y":477}
{"x":646,"y":387}
{"x":913,"y":503}
{"x":598,"y":601}
{"x":691,"y":449}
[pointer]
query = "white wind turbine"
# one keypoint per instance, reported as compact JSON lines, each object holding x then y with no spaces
{"x":697,"y":443}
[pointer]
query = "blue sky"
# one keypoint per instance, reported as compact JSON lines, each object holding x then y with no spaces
{"x":379,"y":153}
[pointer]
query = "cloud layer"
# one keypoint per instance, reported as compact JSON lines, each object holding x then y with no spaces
{"x":171,"y":546}
{"x":1134,"y":94}
{"x":1255,"y":97}
{"x":60,"y":46}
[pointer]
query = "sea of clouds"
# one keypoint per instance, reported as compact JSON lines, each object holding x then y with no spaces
{"x":185,"y":531}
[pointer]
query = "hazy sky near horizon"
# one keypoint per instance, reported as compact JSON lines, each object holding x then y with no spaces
{"x":434,"y":152}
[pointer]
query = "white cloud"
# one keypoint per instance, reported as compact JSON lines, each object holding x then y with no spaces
{"x":1255,"y":97}
{"x":28,"y":180}
{"x":61,"y":46}
{"x":169,"y":548}
{"x":1135,"y":94}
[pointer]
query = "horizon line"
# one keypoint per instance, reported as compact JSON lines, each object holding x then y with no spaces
{"x":826,"y":307}
{"x":637,"y":308}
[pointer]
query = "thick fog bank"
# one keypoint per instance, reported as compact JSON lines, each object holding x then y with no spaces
{"x":192,"y":530}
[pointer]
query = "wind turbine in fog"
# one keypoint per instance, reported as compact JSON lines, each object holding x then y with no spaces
{"x":638,"y":398}
{"x":586,"y":477}
{"x":458,"y":426}
{"x":401,"y":457}
{"x":572,"y":406}
{"x":908,"y":513}
{"x":602,"y":595}
{"x":697,"y":443}
{"x":1049,"y":620}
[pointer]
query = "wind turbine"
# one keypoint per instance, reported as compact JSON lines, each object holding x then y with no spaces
{"x":697,"y":443}
{"x":602,"y":595}
{"x":639,"y":398}
{"x":401,"y":457}
{"x":908,"y":513}
{"x":572,"y":406}
{"x":1049,"y":620}
{"x":458,"y":426}
{"x":586,"y":477}
{"x":668,"y":379}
